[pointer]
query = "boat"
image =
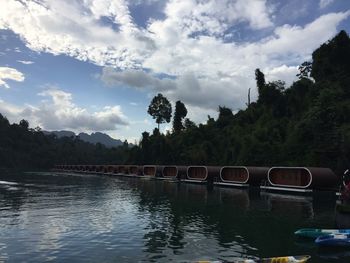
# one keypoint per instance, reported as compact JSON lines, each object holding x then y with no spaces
{"x":334,"y":240}
{"x":288,"y":259}
{"x":315,"y":232}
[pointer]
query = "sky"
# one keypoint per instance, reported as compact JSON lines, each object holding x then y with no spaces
{"x":95,"y":65}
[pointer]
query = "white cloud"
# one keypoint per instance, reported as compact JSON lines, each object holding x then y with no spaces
{"x":301,"y":41}
{"x":283,"y":72}
{"x":190,"y":89}
{"x":184,"y":18}
{"x":200,"y":115}
{"x":25,"y":62}
{"x":9,"y":110}
{"x":136,"y":79}
{"x":75,"y":28}
{"x":7,"y":73}
{"x":57,"y":111}
{"x":188,"y":45}
{"x":325,"y":3}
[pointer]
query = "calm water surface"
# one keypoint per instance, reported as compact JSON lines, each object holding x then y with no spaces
{"x":94,"y":218}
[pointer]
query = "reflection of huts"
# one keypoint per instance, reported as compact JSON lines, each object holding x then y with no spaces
{"x":300,"y":179}
{"x":238,"y":198}
{"x":195,"y":192}
{"x":201,"y":174}
{"x":242,"y":176}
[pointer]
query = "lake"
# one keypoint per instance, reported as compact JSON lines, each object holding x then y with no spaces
{"x":95,"y":218}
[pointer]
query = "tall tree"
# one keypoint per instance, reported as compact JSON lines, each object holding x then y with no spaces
{"x":160,"y":109}
{"x":260,"y":80}
{"x":305,"y":70}
{"x":24,"y":124}
{"x":180,"y":113}
{"x":225,"y":116}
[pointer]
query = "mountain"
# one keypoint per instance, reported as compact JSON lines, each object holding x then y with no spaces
{"x":99,"y":137}
{"x":96,"y":137}
{"x":61,"y":134}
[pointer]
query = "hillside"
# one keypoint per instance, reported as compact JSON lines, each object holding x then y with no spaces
{"x":95,"y":137}
{"x":306,"y":124}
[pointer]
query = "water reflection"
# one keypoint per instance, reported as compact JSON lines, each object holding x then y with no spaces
{"x":73,"y":217}
{"x":289,"y":204}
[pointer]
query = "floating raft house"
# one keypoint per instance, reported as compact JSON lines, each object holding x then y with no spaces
{"x":112,"y":169}
{"x":122,"y":169}
{"x":300,"y":179}
{"x":134,"y":170}
{"x":170,"y":171}
{"x":285,"y":179}
{"x":173,"y":172}
{"x":242,"y":176}
{"x":201,"y":174}
{"x":152,"y":171}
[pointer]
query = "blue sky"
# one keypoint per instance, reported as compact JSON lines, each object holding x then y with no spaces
{"x":94,"y":65}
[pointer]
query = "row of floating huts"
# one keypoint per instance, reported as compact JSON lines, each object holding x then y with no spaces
{"x":289,"y":179}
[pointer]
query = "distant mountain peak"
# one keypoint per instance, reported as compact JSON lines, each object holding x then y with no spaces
{"x":95,"y":137}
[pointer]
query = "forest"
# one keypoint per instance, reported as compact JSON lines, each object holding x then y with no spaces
{"x":306,"y":124}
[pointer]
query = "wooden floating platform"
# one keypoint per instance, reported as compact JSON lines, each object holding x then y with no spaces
{"x":232,"y":184}
{"x":284,"y":189}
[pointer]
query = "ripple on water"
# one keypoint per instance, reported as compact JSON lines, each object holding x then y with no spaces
{"x":94,"y":218}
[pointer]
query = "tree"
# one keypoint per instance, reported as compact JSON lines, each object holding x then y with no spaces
{"x":24,"y":124}
{"x":189,"y":124}
{"x":180,"y":113}
{"x":225,"y":116}
{"x":331,"y":64}
{"x":160,"y":109}
{"x":305,"y":70}
{"x":260,"y":80}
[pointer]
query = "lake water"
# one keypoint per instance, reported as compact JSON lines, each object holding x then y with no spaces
{"x":95,"y":218}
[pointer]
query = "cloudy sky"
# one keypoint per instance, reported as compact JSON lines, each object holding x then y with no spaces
{"x":94,"y":65}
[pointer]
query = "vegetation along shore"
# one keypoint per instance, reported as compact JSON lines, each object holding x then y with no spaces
{"x":306,"y":124}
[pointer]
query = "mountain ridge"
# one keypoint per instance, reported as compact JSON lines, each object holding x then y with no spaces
{"x":94,"y":138}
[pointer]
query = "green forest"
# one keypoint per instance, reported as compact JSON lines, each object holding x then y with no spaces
{"x":306,"y":124}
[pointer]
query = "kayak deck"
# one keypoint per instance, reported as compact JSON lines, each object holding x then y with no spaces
{"x":337,"y":240}
{"x":288,"y":259}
